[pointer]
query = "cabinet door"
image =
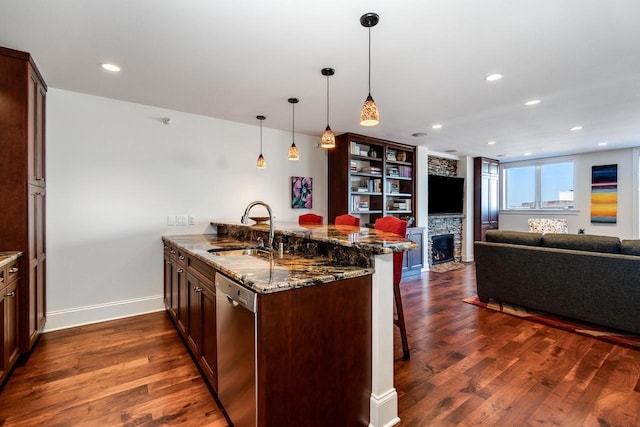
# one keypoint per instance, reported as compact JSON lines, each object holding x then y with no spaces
{"x":3,"y":310}
{"x":181,"y":302}
{"x":194,"y":329}
{"x":168,"y":276}
{"x":208,"y":345}
{"x":11,"y":347}
{"x":36,"y":263}
{"x":36,"y":131}
{"x":493,"y":201}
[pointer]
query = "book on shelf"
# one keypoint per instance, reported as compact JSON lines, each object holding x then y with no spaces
{"x":371,"y":169}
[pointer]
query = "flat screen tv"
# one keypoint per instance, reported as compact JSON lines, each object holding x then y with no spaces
{"x":446,"y":194}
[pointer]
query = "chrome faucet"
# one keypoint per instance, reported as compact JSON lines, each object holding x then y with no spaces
{"x":245,"y":218}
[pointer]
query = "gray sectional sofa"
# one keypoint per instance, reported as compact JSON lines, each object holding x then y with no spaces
{"x":590,"y":278}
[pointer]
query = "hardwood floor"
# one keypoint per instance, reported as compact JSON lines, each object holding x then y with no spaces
{"x":469,"y":367}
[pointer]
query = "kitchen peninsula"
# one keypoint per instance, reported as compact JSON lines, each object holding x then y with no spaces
{"x":323,"y":316}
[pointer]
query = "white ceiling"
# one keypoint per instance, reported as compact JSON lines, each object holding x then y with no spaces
{"x":237,"y":59}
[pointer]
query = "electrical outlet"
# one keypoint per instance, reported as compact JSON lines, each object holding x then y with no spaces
{"x":171,"y":220}
{"x":192,"y":220}
{"x":181,"y":220}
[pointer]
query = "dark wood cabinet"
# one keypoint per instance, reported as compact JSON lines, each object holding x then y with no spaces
{"x":486,"y":196}
{"x":371,"y":178}
{"x":22,"y":185}
{"x":190,"y":300}
{"x":314,"y":355}
{"x":413,"y":261}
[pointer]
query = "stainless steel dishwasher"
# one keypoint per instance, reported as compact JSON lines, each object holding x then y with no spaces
{"x":236,"y":335}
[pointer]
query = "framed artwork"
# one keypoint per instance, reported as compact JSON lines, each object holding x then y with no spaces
{"x":301,"y":192}
{"x":604,"y":194}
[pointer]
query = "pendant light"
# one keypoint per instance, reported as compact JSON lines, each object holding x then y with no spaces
{"x":328,"y":137}
{"x":261,"y":163}
{"x":293,"y":150}
{"x":369,"y":115}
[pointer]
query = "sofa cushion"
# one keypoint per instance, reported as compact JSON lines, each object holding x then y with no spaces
{"x":582,"y":242}
{"x":630,"y":247}
{"x":514,"y":237}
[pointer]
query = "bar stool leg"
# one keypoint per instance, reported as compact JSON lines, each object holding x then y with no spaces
{"x":400,"y":321}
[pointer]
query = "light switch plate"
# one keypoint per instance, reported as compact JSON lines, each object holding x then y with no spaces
{"x":181,"y":220}
{"x":171,"y":220}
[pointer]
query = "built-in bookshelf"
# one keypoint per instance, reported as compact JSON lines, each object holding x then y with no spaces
{"x":371,"y":178}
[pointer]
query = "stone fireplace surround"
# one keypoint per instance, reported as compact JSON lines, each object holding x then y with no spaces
{"x":444,"y":224}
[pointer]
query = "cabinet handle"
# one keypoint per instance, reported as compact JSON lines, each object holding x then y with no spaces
{"x":173,"y":252}
{"x":166,"y":247}
{"x":13,"y":270}
{"x":197,"y":288}
{"x":180,"y":270}
{"x":181,"y":257}
{"x":11,"y":294}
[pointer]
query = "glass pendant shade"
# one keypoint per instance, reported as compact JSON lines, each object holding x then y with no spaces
{"x":293,"y":152}
{"x":328,"y":138}
{"x":369,"y":116}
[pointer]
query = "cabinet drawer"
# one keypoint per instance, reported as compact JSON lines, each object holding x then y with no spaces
{"x":204,"y":272}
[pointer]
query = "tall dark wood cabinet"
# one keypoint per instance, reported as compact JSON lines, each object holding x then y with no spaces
{"x":23,"y":184}
{"x":486,"y":196}
{"x":371,"y":178}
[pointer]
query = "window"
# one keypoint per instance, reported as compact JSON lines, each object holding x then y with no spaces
{"x":542,"y":185}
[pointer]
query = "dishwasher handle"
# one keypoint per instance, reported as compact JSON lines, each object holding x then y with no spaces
{"x":232,"y":301}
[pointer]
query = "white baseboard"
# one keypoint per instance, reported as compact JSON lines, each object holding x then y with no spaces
{"x":383,"y":410}
{"x":69,"y":318}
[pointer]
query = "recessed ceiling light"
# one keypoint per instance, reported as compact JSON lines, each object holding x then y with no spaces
{"x":602,"y":144}
{"x":576,"y":128}
{"x":527,"y":154}
{"x":493,"y":77}
{"x":419,"y":134}
{"x":436,"y":126}
{"x":111,"y":67}
{"x":491,"y":143}
{"x":533,"y":102}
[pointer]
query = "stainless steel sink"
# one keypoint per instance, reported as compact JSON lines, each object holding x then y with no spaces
{"x":242,"y":252}
{"x":228,"y":248}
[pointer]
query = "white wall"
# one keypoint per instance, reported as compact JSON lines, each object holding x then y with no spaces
{"x":114,"y":173}
{"x":626,"y":226}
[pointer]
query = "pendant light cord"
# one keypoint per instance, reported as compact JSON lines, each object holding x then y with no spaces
{"x":327,"y":100}
{"x":369,"y":60}
{"x":293,"y":127}
{"x":261,"y":137}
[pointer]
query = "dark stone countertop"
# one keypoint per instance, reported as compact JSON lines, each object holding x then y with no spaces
{"x":362,"y":238}
{"x":265,"y":273}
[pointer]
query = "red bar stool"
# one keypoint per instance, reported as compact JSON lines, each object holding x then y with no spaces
{"x":310,"y":219}
{"x":347,"y":219}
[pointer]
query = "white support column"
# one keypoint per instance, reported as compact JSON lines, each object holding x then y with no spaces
{"x":384,"y":398}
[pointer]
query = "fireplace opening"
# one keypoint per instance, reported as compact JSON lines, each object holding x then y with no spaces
{"x":441,"y":249}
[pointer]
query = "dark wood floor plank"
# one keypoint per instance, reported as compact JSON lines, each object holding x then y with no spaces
{"x":469,"y":367}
